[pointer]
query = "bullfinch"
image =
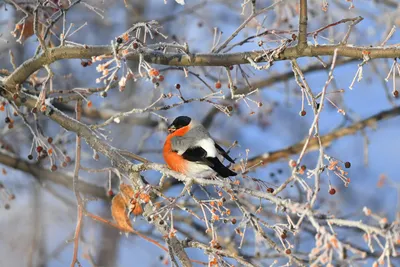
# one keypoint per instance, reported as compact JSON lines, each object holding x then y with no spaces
{"x":189,"y":149}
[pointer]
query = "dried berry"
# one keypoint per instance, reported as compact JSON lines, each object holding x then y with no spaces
{"x":288,"y":251}
{"x":39,"y":149}
{"x":396,"y":93}
{"x":332,"y":191}
{"x":67,"y":159}
{"x":50,"y":140}
{"x":161,"y":78}
{"x":303,"y":113}
{"x":53,"y":168}
{"x":347,"y":164}
{"x":178,"y":86}
{"x":135,"y":46}
{"x":110,"y":193}
{"x":270,"y":190}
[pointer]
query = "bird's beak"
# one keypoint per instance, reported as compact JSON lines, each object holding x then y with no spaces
{"x":171,"y":129}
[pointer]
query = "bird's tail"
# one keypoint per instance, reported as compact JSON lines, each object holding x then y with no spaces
{"x":220,"y":168}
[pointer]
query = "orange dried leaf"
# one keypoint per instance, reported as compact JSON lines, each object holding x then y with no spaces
{"x":118,"y":212}
{"x":127,"y":192}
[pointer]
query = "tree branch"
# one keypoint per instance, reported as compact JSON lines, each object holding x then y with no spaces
{"x":180,"y":59}
{"x":302,"y":44}
{"x":326,"y":139}
{"x":59,"y":177}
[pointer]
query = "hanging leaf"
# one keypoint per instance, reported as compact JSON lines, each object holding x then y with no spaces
{"x":118,"y":212}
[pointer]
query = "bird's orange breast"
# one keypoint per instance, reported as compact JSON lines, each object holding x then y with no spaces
{"x":174,"y":161}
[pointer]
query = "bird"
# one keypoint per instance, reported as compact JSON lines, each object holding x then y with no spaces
{"x":189,"y":149}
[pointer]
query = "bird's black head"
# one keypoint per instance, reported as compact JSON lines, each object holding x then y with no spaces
{"x":178,"y":123}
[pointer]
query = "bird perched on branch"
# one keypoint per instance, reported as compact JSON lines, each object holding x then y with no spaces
{"x":189,"y":149}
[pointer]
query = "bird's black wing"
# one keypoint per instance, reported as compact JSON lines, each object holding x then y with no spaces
{"x":223,"y":153}
{"x":196,"y":154}
{"x":199,"y":155}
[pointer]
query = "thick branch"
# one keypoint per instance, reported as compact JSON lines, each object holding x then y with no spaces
{"x":303,"y":25}
{"x":179,"y":59}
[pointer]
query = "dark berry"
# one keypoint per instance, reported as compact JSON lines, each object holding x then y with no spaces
{"x":347,"y":164}
{"x":303,"y":113}
{"x":119,"y":40}
{"x":30,"y":157}
{"x":39,"y":149}
{"x":396,"y":93}
{"x":7,"y":206}
{"x":110,"y":193}
{"x":67,"y":159}
{"x":332,"y":191}
{"x":283,"y":235}
{"x":53,"y":168}
{"x":84,"y":64}
{"x":230,"y":67}
{"x":270,"y":190}
{"x":288,"y":251}
{"x":64,"y":164}
{"x":135,"y":46}
{"x":50,"y":140}
{"x":178,"y":86}
{"x":233,"y":221}
{"x":303,"y":167}
{"x":103,"y":94}
{"x":7,"y":120}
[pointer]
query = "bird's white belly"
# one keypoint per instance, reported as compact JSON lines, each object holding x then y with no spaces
{"x":199,"y":170}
